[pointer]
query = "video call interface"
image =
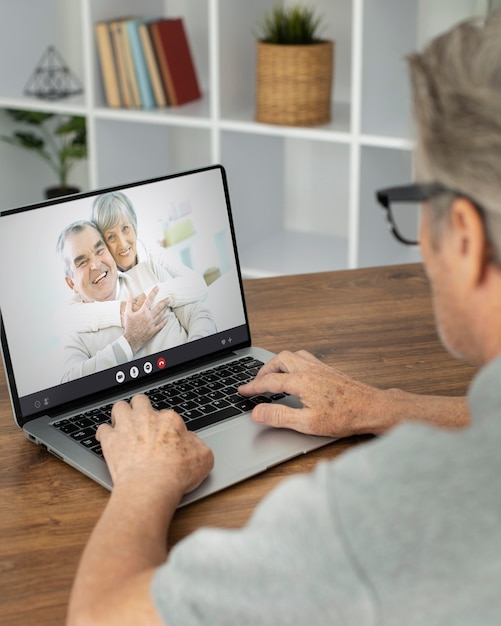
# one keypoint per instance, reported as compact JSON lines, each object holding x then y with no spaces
{"x":76,"y":295}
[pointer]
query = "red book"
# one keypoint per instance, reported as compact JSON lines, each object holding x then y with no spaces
{"x":175,"y":60}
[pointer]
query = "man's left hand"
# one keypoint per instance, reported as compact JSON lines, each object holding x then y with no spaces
{"x":154,"y":445}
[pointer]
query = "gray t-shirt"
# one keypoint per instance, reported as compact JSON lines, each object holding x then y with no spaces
{"x":403,"y":530}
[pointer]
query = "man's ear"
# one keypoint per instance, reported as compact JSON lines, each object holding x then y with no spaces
{"x":468,"y":239}
{"x":69,"y":282}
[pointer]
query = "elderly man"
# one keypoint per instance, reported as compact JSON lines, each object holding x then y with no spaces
{"x":404,"y":530}
{"x":149,"y":327}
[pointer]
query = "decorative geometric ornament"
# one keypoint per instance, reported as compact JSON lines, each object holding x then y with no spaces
{"x":52,"y":78}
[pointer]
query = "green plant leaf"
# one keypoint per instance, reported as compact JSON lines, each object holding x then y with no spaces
{"x":63,"y":141}
{"x":29,"y":117}
{"x":71,"y":125}
{"x":29,"y":140}
{"x":73,"y":152}
{"x":295,"y":25}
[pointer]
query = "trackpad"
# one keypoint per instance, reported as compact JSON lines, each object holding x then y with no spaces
{"x":243,"y":449}
{"x":243,"y":444}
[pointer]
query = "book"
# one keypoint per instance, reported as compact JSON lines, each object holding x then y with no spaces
{"x":152,"y":65}
{"x":175,"y":60}
{"x":108,"y":65}
{"x":125,"y":65}
{"x":142,"y":73}
{"x":162,"y":62}
{"x":130,"y":70}
{"x":120,"y":64}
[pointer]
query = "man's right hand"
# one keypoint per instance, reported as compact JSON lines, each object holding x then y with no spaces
{"x":336,"y":405}
{"x":144,"y":321}
{"x":333,"y":404}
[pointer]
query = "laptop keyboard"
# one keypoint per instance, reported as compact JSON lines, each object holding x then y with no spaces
{"x":201,"y":399}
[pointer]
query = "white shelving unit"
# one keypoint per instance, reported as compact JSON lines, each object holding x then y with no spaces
{"x":302,"y":198}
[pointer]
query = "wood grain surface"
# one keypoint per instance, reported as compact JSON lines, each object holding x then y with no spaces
{"x":375,"y":324}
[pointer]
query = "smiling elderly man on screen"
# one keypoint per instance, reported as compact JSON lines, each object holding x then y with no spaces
{"x":149,"y":326}
{"x":114,"y":215}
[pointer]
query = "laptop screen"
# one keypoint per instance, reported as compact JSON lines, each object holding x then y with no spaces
{"x":77,"y":272}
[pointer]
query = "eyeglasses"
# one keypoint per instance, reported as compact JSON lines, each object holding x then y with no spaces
{"x":396,"y":201}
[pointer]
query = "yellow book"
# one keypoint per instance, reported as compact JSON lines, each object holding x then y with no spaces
{"x":108,"y":65}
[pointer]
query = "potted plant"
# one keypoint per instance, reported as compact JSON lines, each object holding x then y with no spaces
{"x":294,"y":68}
{"x":60,"y":140}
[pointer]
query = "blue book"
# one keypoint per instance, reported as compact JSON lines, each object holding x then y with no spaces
{"x":143,"y":77}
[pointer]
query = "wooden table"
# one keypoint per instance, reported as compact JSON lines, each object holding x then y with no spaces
{"x":375,"y":324}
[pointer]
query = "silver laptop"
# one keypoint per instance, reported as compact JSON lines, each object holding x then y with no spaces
{"x":56,"y":344}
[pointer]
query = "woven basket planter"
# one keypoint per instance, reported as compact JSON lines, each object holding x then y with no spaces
{"x":294,"y":83}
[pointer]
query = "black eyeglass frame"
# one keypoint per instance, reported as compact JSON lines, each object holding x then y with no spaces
{"x":415,"y":193}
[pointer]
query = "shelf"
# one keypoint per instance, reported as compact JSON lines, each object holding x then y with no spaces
{"x":306,"y":195}
{"x":73,"y":105}
{"x":337,"y":130}
{"x":394,"y":143}
{"x":192,"y":114}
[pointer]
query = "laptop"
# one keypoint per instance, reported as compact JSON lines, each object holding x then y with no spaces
{"x":63,"y":369}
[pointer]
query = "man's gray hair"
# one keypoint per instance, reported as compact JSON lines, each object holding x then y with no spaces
{"x":72,"y":229}
{"x":456,"y":84}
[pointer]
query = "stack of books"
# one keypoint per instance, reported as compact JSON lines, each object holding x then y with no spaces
{"x":146,"y":62}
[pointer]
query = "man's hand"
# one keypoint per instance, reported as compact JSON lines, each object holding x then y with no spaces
{"x":333,"y":404}
{"x":143,"y":321}
{"x":154,"y":447}
{"x":153,"y":460}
